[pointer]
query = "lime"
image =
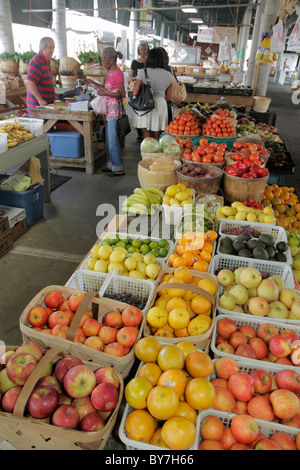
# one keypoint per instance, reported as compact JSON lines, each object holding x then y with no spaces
{"x":131,"y":249}
{"x":153,"y":245}
{"x":136,"y":243}
{"x":124,"y":240}
{"x":163,"y":243}
{"x":122,"y":244}
{"x":104,"y":242}
{"x":144,"y":248}
{"x":113,"y":241}
{"x":130,"y":240}
{"x":163,"y":252}
{"x":155,"y":252}
{"x":147,"y":241}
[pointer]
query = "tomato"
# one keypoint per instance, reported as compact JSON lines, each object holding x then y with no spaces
{"x":218,"y":158}
{"x":237,"y":145}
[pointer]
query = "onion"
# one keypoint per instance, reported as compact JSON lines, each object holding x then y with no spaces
{"x":208,"y":175}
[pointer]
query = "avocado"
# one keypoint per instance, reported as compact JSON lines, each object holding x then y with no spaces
{"x":244,"y":236}
{"x":238,"y":245}
{"x":227,"y":249}
{"x":253,"y":243}
{"x":260,"y":253}
{"x":282,"y":247}
{"x":271,"y":251}
{"x":268,"y":240}
{"x":281,"y":257}
{"x":245,"y":253}
{"x":225,"y":241}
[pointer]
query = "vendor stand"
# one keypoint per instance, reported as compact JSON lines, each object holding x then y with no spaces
{"x":246,"y":101}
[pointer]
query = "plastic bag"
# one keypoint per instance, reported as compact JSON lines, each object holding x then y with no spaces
{"x":16,"y":183}
{"x":165,"y":139}
{"x":171,"y":147}
{"x":99,"y":105}
{"x":150,"y":145}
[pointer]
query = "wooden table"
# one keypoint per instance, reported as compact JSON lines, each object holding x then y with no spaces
{"x":38,"y":147}
{"x":246,"y":101}
{"x":82,"y":121}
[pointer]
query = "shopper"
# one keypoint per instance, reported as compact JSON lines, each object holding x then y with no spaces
{"x":154,"y":122}
{"x":142,"y":51}
{"x":113,"y":91}
{"x":172,"y":71}
{"x":39,"y":80}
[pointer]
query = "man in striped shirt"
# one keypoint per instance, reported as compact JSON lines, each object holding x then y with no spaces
{"x":39,"y":81}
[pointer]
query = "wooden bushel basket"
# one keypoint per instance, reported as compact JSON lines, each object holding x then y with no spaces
{"x":201,"y":341}
{"x":99,"y":306}
{"x":240,"y":189}
{"x":25,"y":433}
{"x":159,"y":179}
{"x":203,"y":185}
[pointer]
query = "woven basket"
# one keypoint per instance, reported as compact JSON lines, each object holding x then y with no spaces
{"x":203,"y":185}
{"x":240,"y":189}
{"x":9,"y":67}
{"x":154,"y":156}
{"x":100,"y":306}
{"x":68,"y":81}
{"x":229,"y":162}
{"x":187,"y":162}
{"x":160,"y":179}
{"x":261,"y":104}
{"x":68,"y":65}
{"x":24,"y":433}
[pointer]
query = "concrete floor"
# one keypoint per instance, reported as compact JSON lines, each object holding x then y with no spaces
{"x":50,"y":250}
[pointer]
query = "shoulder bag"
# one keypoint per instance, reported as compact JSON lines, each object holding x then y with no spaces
{"x":178,"y":91}
{"x":123,"y":121}
{"x":144,"y":101}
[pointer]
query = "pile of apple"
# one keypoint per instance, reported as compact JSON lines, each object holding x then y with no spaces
{"x":270,"y":396}
{"x":247,"y":292}
{"x":115,"y":335}
{"x":264,"y":343}
{"x":68,"y":394}
{"x":242,"y":433}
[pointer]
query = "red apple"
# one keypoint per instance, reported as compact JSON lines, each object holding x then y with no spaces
{"x":267,"y":331}
{"x":127,"y":336}
{"x":239,"y":446}
{"x":87,"y":314}
{"x":108,"y":334}
{"x":267,"y":444}
{"x":80,"y":336}
{"x":289,"y":334}
{"x":91,"y":327}
{"x":219,"y":382}
{"x":53,"y":299}
{"x":285,"y":441}
{"x":262,"y":381}
{"x":241,"y":385}
{"x":66,"y":416}
{"x":42,"y":402}
{"x":237,"y":338}
{"x":225,"y":348}
{"x":60,"y":330}
{"x":225,"y":366}
{"x":79,"y":381}
{"x":9,"y":399}
{"x":59,"y":317}
{"x":64,"y":305}
{"x":132,"y":316}
{"x":5,"y":356}
{"x":75,"y":300}
{"x":31,"y":348}
{"x":259,"y":346}
{"x":83,"y":406}
{"x":224,"y":400}
{"x":240,"y":407}
{"x":289,"y":380}
{"x":94,"y":342}
{"x":285,"y":403}
{"x":280,"y":346}
{"x":245,"y":350}
{"x":64,"y":364}
{"x":5,"y":382}
{"x":259,"y":407}
{"x":294,"y":422}
{"x":225,"y":327}
{"x":259,"y":438}
{"x":113,"y":319}
{"x":105,"y":397}
{"x":220,"y":339}
{"x":284,"y":360}
{"x":92,"y":422}
{"x":20,"y":366}
{"x":64,"y":399}
{"x":50,"y":381}
{"x":38,"y":316}
{"x":115,"y":349}
{"x":244,"y":428}
{"x":107,"y":374}
{"x":227,"y":439}
{"x":248,"y":330}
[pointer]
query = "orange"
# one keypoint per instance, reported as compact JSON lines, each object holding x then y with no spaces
{"x":157,"y":317}
{"x":179,"y":262}
{"x":211,"y":235}
{"x":164,"y":333}
{"x":208,"y":285}
{"x":189,"y":258}
{"x":181,"y":333}
{"x":205,"y":255}
{"x":156,"y":439}
{"x":140,"y":426}
{"x":211,"y":427}
{"x":199,"y":393}
{"x":200,"y":304}
{"x":175,"y":302}
{"x":210,"y":444}
{"x":201,"y":266}
{"x":178,"y":433}
{"x":188,"y":236}
{"x":208,"y":246}
{"x":162,"y":402}
{"x":175,"y":291}
{"x":183,"y":273}
{"x":172,"y":258}
{"x":178,"y":318}
{"x":136,"y":392}
{"x":297,"y":207}
{"x":185,"y":410}
{"x":186,"y":347}
{"x":199,"y":325}
{"x":180,"y":249}
{"x":174,"y":378}
{"x":150,"y":371}
{"x":199,"y":364}
{"x":147,"y":349}
{"x":170,"y":357}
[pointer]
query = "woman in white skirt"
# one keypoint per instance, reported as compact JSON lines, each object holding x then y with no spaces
{"x":154,"y":122}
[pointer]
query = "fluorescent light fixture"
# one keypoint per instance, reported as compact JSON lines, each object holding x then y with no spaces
{"x":196,"y":20}
{"x":189,"y":9}
{"x":203,"y":26}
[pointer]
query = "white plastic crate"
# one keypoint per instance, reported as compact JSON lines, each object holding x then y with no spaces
{"x":269,"y":267}
{"x":3,"y":143}
{"x":172,"y":215}
{"x":244,"y":222}
{"x":256,"y":322}
{"x":91,"y":281}
{"x":268,"y":428}
{"x":35,"y":126}
{"x":212,"y":255}
{"x":279,"y":233}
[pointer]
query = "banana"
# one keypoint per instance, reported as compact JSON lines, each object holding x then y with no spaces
{"x":154,"y":198}
{"x":132,"y":202}
{"x":137,"y":209}
{"x":140,"y":192}
{"x":156,"y":191}
{"x":149,"y":197}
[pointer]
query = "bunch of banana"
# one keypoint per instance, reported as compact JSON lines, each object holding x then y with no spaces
{"x":16,"y":133}
{"x":143,"y":200}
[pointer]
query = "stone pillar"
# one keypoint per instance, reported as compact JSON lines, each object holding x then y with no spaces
{"x":256,"y":37}
{"x":245,"y":35}
{"x":132,"y":36}
{"x":59,"y":26}
{"x":6,"y":32}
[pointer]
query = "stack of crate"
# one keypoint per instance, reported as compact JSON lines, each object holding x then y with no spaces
{"x":6,"y":239}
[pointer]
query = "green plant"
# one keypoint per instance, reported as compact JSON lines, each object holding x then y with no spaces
{"x":10,"y":56}
{"x":27,"y":56}
{"x":89,"y":56}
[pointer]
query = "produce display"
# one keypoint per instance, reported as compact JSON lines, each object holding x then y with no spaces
{"x":206,"y":152}
{"x":198,"y":220}
{"x":238,"y":211}
{"x":250,"y":148}
{"x":253,"y":159}
{"x":178,"y":195}
{"x":165,"y":144}
{"x":218,"y":127}
{"x":194,"y":250}
{"x":16,"y":133}
{"x":195,"y":171}
{"x":142,"y":200}
{"x":185,"y":123}
{"x":245,"y":170}
{"x":285,"y":204}
{"x":247,"y":290}
{"x":247,"y":130}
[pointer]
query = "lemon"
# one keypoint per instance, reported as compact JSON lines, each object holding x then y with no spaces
{"x":116,"y":267}
{"x":241,"y":215}
{"x":105,"y":251}
{"x":251,"y":217}
{"x":261,"y":217}
{"x":268,"y":210}
{"x":228,"y":210}
{"x":269,"y":219}
{"x":153,"y":270}
{"x":174,"y":202}
{"x":181,"y":196}
{"x":187,"y":203}
{"x":149,"y":258}
{"x":130,"y":263}
{"x":141,"y":267}
{"x":138,"y":257}
{"x":190,"y":192}
{"x":118,"y":255}
{"x":172,"y":190}
{"x":166,"y":200}
{"x":101,"y":266}
{"x":181,"y":186}
{"x":136,"y":274}
{"x":95,"y":251}
{"x":91,"y":263}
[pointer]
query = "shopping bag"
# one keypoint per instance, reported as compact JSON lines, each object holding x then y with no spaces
{"x":99,"y":105}
{"x":178,"y":91}
{"x":144,"y":101}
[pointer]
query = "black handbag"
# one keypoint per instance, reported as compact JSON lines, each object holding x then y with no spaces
{"x":123,"y":122}
{"x":144,"y":101}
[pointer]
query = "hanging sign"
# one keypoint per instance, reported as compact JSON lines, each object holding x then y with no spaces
{"x":204,"y":34}
{"x":146,"y":14}
{"x":293,"y":44}
{"x":221,"y":32}
{"x":278,"y":38}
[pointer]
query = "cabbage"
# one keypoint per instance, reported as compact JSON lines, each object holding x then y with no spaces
{"x":171,"y":148}
{"x":16,"y":183}
{"x":166,"y":138}
{"x":150,"y":145}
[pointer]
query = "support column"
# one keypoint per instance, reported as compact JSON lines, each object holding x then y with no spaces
{"x":59,"y":26}
{"x":132,"y":35}
{"x":6,"y":33}
{"x":245,"y":34}
{"x":256,"y":37}
{"x":272,"y":10}
{"x":162,"y":33}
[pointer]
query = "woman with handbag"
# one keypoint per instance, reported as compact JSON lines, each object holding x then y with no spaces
{"x":155,"y":121}
{"x":113,"y":91}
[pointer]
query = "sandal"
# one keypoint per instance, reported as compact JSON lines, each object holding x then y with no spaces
{"x":113,"y":174}
{"x":106,"y":170}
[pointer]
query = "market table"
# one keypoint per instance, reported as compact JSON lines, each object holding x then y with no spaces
{"x":246,"y":101}
{"x":82,"y":121}
{"x":37,"y":147}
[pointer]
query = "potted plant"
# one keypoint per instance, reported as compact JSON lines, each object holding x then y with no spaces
{"x":89,"y":58}
{"x":24,"y":60}
{"x":9,"y":63}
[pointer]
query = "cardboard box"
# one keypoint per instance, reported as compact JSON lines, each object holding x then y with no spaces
{"x":19,"y":229}
{"x":14,"y":214}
